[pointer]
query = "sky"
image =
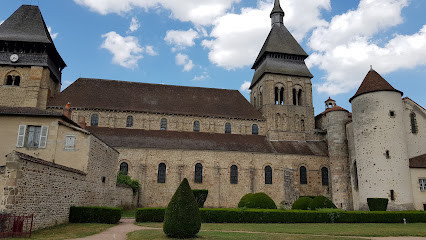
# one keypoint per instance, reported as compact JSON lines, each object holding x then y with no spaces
{"x":213,"y":43}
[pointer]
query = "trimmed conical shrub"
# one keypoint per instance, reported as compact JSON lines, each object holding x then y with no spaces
{"x":302,"y":203}
{"x":182,"y":218}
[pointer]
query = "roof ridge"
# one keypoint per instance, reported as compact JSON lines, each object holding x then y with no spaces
{"x":157,"y":84}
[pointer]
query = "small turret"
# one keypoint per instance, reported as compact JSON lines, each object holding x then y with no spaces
{"x":277,"y":14}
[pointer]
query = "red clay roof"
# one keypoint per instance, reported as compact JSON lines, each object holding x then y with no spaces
{"x":137,"y":138}
{"x":373,"y":82}
{"x":155,"y":98}
{"x":418,"y":162}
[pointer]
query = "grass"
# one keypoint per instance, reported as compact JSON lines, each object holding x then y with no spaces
{"x":213,"y":235}
{"x":130,"y":213}
{"x":72,"y":230}
{"x":340,"y":229}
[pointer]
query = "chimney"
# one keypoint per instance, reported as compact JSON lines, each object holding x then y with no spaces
{"x":82,"y":123}
{"x":67,"y":111}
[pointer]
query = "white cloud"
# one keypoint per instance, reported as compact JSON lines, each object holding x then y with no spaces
{"x":245,"y":87}
{"x":183,"y":60}
{"x":203,"y":76}
{"x":196,"y":11}
{"x":52,"y":34}
{"x":150,"y":51}
{"x":239,"y":37}
{"x":134,"y":25}
{"x":181,"y":39}
{"x":126,"y":51}
{"x":347,"y":46}
{"x":347,"y":64}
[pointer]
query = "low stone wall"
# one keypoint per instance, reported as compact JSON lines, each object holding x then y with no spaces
{"x":30,"y":185}
{"x":125,"y":197}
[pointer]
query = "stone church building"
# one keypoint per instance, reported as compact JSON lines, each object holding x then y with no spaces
{"x":219,"y":140}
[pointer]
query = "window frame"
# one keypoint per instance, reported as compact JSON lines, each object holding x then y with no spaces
{"x":161,"y":173}
{"x":163,"y":124}
{"x":126,"y":166}
{"x":303,"y":175}
{"x":198,"y":173}
{"x":129,"y":121}
{"x":255,"y":129}
{"x":413,"y":121}
{"x":228,"y":128}
{"x":422,"y":188}
{"x":196,"y":126}
{"x":69,"y":147}
{"x":94,"y":120}
{"x":268,"y":175}
{"x":325,"y":179}
{"x":233,"y":175}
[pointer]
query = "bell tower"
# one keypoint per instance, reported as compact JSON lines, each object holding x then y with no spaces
{"x":30,"y":65}
{"x":281,"y":87}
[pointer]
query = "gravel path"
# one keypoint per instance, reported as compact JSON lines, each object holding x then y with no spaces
{"x":118,"y":232}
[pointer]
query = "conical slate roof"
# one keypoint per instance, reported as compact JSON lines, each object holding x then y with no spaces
{"x":280,"y":40}
{"x":25,"y":25}
{"x":373,"y":82}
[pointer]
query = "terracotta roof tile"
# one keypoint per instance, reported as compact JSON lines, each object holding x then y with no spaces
{"x":418,"y":162}
{"x":332,"y":109}
{"x":136,"y":138}
{"x":155,"y":98}
{"x":373,"y":82}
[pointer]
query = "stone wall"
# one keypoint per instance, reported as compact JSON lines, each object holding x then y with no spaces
{"x":33,"y":186}
{"x":125,"y":197}
{"x":180,"y":164}
{"x":151,"y":121}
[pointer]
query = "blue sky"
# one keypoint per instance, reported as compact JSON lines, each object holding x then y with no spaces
{"x":212,"y":43}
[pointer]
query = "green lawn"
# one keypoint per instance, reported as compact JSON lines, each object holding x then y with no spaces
{"x":213,"y":235}
{"x":340,"y":229}
{"x":72,"y":230}
{"x":129,"y":213}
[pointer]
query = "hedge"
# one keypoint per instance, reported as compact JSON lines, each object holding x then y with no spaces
{"x":107,"y":215}
{"x":224,"y":215}
{"x":377,"y":204}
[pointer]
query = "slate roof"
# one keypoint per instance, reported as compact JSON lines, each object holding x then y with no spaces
{"x":280,"y":40}
{"x":26,"y":24}
{"x":137,"y":138}
{"x":277,"y":7}
{"x":418,"y":162}
{"x":155,"y":98}
{"x":373,"y":82}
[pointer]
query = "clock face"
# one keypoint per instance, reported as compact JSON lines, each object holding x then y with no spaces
{"x":14,"y":58}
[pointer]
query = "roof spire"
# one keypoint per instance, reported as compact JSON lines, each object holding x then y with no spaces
{"x":277,"y":14}
{"x":371,"y":68}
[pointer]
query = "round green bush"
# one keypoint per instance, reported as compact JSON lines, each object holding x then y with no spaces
{"x":257,"y":200}
{"x":182,"y":217}
{"x":302,"y":203}
{"x":321,"y":202}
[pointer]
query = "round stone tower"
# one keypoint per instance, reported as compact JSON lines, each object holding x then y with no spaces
{"x":335,"y":123}
{"x":381,"y":154}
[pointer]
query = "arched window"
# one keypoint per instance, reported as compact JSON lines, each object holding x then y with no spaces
{"x":282,"y":96}
{"x":227,"y":127}
{"x":13,"y":80}
{"x":254,"y":129}
{"x":324,"y":176}
{"x":234,"y":174}
{"x":196,"y":126}
{"x":413,"y":123}
{"x":355,"y":176}
{"x":129,"y":122}
{"x":276,"y":95}
{"x":302,"y":125}
{"x":303,"y":175}
{"x":268,"y":175}
{"x":299,"y":97}
{"x":198,"y":178}
{"x":161,"y":176}
{"x":294,"y":97}
{"x":124,"y":168}
{"x":94,"y":121}
{"x":163,"y":125}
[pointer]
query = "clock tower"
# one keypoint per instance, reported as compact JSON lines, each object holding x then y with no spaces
{"x":30,"y":65}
